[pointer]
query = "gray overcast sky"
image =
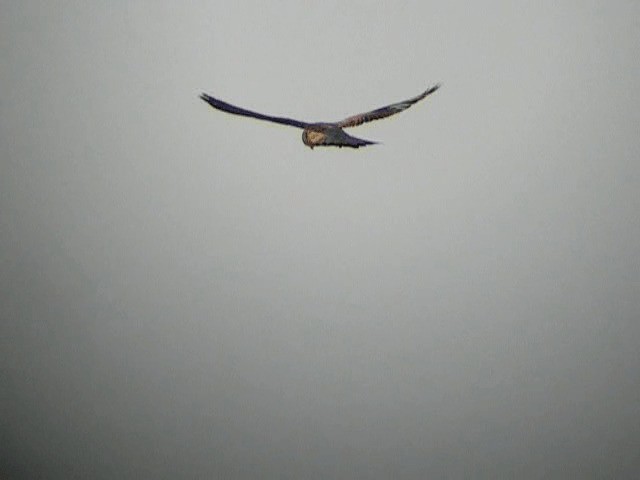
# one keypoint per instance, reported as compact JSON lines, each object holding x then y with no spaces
{"x":189,"y":294}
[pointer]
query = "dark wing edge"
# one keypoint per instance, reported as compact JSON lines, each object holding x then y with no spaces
{"x":386,"y":111}
{"x":227,"y":107}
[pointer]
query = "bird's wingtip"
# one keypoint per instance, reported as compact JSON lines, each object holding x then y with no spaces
{"x":433,"y":88}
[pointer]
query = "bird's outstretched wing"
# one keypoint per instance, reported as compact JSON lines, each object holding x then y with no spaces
{"x":383,"y":112}
{"x":226,"y":107}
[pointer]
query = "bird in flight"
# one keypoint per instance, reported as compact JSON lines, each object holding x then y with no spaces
{"x":317,"y":134}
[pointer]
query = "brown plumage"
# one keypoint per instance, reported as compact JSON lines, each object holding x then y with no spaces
{"x":325,"y":133}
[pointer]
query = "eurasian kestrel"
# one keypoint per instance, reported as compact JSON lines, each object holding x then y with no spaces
{"x":325,"y":133}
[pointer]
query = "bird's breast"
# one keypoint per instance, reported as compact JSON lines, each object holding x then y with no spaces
{"x":313,"y":137}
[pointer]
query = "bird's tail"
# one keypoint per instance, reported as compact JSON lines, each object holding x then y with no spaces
{"x":347,"y":140}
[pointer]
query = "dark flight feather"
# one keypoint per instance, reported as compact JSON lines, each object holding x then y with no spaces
{"x":226,"y":107}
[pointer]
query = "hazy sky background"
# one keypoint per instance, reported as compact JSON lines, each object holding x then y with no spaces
{"x":189,"y":294}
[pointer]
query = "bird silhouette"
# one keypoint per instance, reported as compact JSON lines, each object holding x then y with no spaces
{"x":316,"y":134}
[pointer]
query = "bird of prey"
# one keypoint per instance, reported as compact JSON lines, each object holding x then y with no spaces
{"x":316,"y":134}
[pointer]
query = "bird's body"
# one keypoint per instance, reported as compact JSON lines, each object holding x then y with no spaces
{"x":329,"y":134}
{"x":324,"y":133}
